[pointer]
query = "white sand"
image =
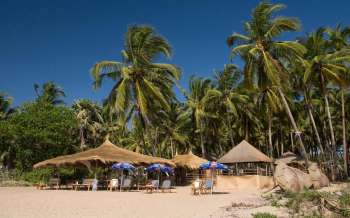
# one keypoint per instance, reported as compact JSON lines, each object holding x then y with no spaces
{"x":29,"y":202}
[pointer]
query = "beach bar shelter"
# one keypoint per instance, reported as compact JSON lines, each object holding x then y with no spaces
{"x":244,"y":158}
{"x":105,"y":154}
{"x":187,"y":167}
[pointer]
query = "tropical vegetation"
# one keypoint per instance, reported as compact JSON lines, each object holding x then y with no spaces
{"x":288,"y":95}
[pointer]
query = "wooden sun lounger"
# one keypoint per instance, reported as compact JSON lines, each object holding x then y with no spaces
{"x":152,"y":186}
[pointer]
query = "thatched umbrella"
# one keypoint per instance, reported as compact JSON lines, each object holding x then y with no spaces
{"x":185,"y":163}
{"x":244,"y":153}
{"x":107,"y":153}
{"x":189,"y":161}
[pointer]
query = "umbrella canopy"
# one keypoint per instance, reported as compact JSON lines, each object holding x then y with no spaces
{"x":213,"y":165}
{"x":106,"y":153}
{"x":159,"y":167}
{"x":123,"y":166}
{"x":244,"y":153}
{"x":189,"y":161}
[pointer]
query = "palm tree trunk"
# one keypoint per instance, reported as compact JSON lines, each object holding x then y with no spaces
{"x":333,"y":152}
{"x":329,"y":120}
{"x":246,"y":129}
{"x":201,"y":140}
{"x":231,"y":132}
{"x":318,"y":138}
{"x":345,"y":145}
{"x":296,"y":129}
{"x":82,"y":138}
{"x":292,"y":141}
{"x":171,"y":147}
{"x":270,"y":133}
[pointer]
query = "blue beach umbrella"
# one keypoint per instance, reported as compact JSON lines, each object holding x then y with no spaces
{"x":122,"y":166}
{"x":159,"y":168}
{"x":212,"y":166}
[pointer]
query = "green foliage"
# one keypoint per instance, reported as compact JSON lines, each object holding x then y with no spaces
{"x":38,"y":131}
{"x":264,"y":215}
{"x":345,"y":199}
{"x":297,"y":198}
{"x":37,"y":175}
{"x":275,"y":203}
{"x":142,"y":113}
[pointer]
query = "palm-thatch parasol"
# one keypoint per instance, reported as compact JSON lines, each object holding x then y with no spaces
{"x":189,"y":161}
{"x":244,"y":153}
{"x":107,"y":153}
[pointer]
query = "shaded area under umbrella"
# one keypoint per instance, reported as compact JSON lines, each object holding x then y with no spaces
{"x":159,"y":168}
{"x":212,"y":166}
{"x":123,"y":166}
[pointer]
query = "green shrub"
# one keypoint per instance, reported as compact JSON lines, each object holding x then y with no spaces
{"x":345,"y":199}
{"x":37,"y":175}
{"x":264,"y":215}
{"x":275,"y":203}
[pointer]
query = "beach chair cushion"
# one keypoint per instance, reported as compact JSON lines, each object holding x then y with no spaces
{"x":114,"y":183}
{"x":126,"y":183}
{"x":166,"y":184}
{"x":155,"y":183}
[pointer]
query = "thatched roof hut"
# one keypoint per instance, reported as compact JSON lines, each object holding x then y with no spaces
{"x":189,"y":161}
{"x":244,"y":153}
{"x":106,"y":153}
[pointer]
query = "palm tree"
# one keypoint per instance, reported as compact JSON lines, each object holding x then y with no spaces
{"x":270,"y":103}
{"x":339,"y":38}
{"x":201,"y":93}
{"x":141,"y":85}
{"x":49,"y":93}
{"x":229,"y":99}
{"x":89,"y":116}
{"x":270,"y":57}
{"x":173,"y":127}
{"x":5,"y":105}
{"x":322,"y":67}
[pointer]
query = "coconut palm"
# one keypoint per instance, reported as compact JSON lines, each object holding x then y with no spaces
{"x":324,"y":66}
{"x":141,"y":85}
{"x":230,"y":99}
{"x":339,"y":39}
{"x":267,"y":58}
{"x":89,"y":116}
{"x":201,"y":92}
{"x":173,"y":127}
{"x":50,"y":93}
{"x":269,"y":102}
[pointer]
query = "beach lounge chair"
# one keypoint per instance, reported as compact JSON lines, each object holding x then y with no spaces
{"x":54,"y":183}
{"x":196,"y":187}
{"x":207,"y":186}
{"x":113,"y":184}
{"x":166,"y":185}
{"x":152,"y":186}
{"x":126,"y":184}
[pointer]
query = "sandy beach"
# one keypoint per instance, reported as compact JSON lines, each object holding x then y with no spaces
{"x":31,"y":203}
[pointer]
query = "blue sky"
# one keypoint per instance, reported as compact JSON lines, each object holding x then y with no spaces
{"x":60,"y":40}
